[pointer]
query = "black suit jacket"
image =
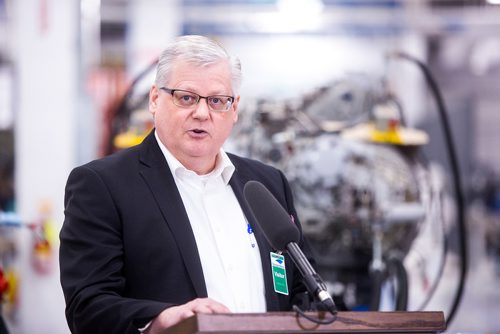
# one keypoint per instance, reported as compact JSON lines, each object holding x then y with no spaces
{"x":127,"y":249}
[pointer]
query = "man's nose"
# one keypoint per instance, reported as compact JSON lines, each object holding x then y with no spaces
{"x":202,"y":111}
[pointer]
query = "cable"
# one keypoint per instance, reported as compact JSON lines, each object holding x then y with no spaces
{"x":313,"y":319}
{"x":452,"y":156}
{"x":396,"y":268}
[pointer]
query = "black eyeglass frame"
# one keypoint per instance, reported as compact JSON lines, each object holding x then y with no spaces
{"x":172,"y":91}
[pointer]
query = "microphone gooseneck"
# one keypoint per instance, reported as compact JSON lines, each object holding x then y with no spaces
{"x":283,"y":235}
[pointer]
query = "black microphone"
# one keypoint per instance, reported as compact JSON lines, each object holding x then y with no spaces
{"x":282,"y":234}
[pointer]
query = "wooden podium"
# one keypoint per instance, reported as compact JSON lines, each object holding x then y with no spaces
{"x":290,"y":323}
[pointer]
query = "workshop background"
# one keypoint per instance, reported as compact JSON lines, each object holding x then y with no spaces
{"x":384,"y":115}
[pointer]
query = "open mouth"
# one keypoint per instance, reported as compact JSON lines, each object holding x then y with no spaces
{"x":198,"y":131}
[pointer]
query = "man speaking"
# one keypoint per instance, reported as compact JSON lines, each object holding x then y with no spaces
{"x":161,"y":231}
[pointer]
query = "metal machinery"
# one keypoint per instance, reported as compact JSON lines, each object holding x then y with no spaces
{"x":361,"y":187}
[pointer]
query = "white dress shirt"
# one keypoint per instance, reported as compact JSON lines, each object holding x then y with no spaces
{"x":229,"y":255}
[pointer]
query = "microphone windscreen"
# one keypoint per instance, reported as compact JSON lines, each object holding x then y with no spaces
{"x":274,"y":221}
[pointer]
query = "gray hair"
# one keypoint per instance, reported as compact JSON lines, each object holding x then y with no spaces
{"x":197,"y":50}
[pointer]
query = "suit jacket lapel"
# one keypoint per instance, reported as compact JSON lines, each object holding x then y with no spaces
{"x":156,"y":173}
{"x":237,"y":182}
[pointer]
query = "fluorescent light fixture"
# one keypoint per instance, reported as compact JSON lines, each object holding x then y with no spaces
{"x":291,"y":16}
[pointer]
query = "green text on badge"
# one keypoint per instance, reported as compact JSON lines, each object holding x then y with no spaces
{"x":279,"y":273}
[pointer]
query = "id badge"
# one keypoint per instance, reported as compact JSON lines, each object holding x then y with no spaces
{"x":279,"y":273}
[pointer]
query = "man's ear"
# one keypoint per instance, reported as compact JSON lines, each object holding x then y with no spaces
{"x":153,"y":99}
{"x":235,"y":108}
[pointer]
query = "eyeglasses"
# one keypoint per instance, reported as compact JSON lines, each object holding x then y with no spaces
{"x":187,"y":99}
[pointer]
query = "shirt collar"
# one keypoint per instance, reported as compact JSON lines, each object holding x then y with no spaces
{"x":223,"y":166}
